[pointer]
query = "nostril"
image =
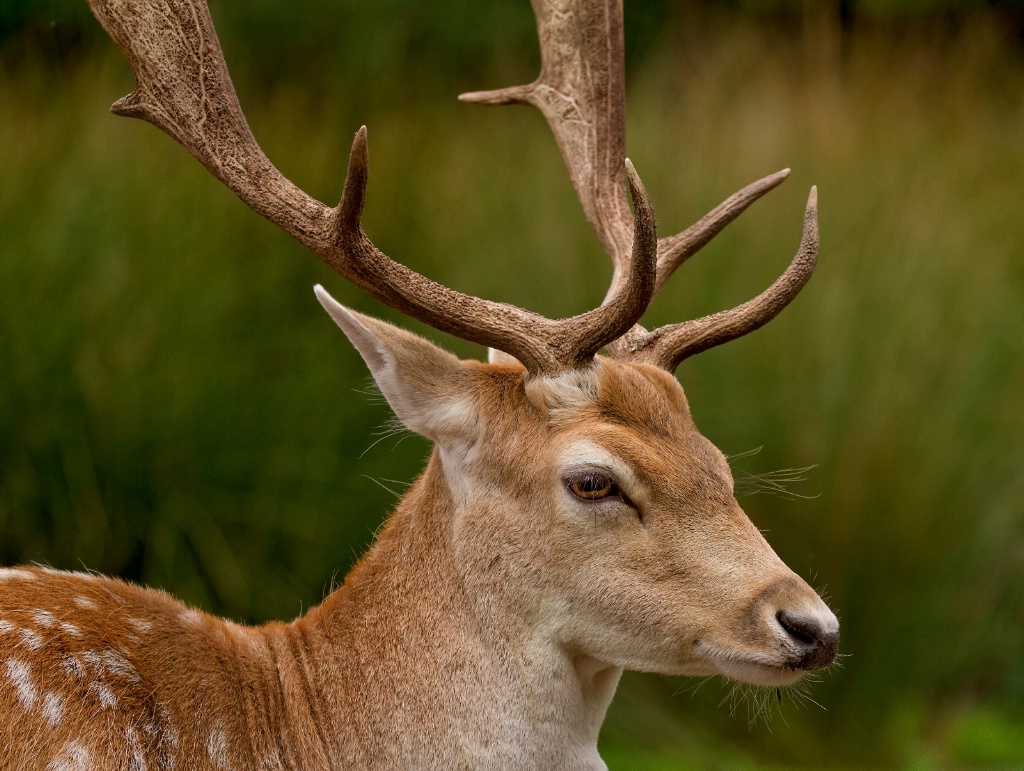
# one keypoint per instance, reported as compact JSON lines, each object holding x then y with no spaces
{"x":800,"y":628}
{"x":820,"y":645}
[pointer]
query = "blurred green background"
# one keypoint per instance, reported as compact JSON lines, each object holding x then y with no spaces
{"x":176,"y":409}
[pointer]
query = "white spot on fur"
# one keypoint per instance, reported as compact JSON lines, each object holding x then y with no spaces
{"x":165,"y":725}
{"x":190,"y":616}
{"x":6,"y":626}
{"x":72,"y":573}
{"x":44,"y":618}
{"x":74,"y":757}
{"x":84,"y":602}
{"x":272,"y":759}
{"x":32,"y":639}
{"x":105,"y":696}
{"x":117,"y":664}
{"x":20,"y":674}
{"x":94,"y":660}
{"x":71,"y":629}
{"x":138,"y":624}
{"x":136,"y":757}
{"x":9,"y":574}
{"x":53,"y":708}
{"x":217,"y":747}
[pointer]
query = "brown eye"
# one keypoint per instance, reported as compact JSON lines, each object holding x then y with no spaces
{"x":592,"y":487}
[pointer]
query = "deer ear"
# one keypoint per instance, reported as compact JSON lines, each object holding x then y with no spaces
{"x":429,"y":389}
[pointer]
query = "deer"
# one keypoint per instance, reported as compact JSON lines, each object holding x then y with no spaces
{"x":571,"y":522}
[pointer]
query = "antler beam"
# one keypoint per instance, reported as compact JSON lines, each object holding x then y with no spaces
{"x":183,"y":88}
{"x":581,"y":93}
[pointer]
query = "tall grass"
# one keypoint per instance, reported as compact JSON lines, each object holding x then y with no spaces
{"x":175,"y":408}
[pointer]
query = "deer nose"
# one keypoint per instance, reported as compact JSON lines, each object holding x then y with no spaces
{"x":816,"y":639}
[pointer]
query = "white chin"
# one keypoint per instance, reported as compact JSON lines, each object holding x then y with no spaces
{"x":759,"y":674}
{"x":749,"y":670}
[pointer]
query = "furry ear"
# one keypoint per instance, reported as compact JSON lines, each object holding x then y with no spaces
{"x":429,"y":389}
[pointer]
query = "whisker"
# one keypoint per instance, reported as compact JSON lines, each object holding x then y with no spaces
{"x":746,"y":454}
{"x":407,"y":435}
{"x":376,"y":442}
{"x":774,"y":482}
{"x":401,"y":482}
{"x":391,"y":428}
{"x":378,"y":482}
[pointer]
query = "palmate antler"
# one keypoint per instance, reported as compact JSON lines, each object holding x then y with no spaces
{"x":183,"y":87}
{"x":581,"y":93}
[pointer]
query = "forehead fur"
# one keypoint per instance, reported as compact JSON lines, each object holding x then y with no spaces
{"x":633,"y":395}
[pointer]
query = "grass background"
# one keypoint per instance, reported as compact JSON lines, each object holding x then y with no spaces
{"x":175,"y":407}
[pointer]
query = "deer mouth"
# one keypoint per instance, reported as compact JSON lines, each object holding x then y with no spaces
{"x":749,"y":667}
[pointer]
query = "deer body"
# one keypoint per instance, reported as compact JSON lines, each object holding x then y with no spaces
{"x":386,"y":673}
{"x":486,"y":628}
{"x":571,"y":523}
{"x":139,"y":680}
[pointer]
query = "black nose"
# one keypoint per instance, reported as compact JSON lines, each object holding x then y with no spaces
{"x":817,"y":646}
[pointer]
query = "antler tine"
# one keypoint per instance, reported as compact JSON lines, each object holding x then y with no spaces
{"x":542,"y":345}
{"x":667,"y":346}
{"x":581,"y":93}
{"x":183,"y":88}
{"x":673,"y":251}
{"x":630,"y":300}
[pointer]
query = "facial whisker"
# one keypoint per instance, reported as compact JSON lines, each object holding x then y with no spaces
{"x":773,"y":482}
{"x":745,"y":454}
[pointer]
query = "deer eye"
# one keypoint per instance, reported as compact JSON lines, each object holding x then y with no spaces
{"x":592,"y":487}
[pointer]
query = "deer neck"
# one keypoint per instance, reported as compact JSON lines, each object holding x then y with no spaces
{"x":417,"y":644}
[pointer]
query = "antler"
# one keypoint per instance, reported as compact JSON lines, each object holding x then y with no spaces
{"x":581,"y":93}
{"x":667,"y":346}
{"x":183,"y":88}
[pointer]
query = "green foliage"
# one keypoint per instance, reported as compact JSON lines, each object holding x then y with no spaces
{"x":175,"y":408}
{"x":985,"y":737}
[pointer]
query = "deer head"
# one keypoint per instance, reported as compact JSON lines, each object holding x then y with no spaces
{"x":587,"y":507}
{"x":572,"y":521}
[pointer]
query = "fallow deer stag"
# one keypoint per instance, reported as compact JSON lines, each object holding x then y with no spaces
{"x":488,"y":625}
